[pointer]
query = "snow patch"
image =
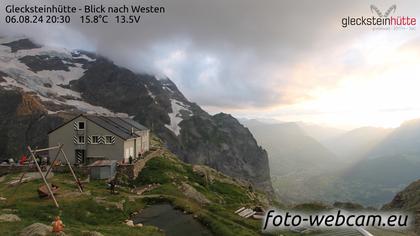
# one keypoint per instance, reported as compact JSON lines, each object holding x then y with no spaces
{"x":91,"y":109}
{"x":47,"y":84}
{"x":168,"y":89}
{"x":44,"y":51}
{"x":151,"y":94}
{"x":176,"y":116}
{"x":161,"y":77}
{"x":11,"y":84}
{"x":79,"y":55}
{"x":63,"y":77}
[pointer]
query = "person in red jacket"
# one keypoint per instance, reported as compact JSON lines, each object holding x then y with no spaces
{"x":23,"y":159}
{"x":57,"y":225}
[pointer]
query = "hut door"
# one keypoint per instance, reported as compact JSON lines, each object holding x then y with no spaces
{"x":80,"y":156}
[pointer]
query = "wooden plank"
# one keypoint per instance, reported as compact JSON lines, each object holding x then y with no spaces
{"x":245,"y":212}
{"x":45,"y":149}
{"x":21,"y":179}
{"x":250,"y":214}
{"x":364,"y":232}
{"x":239,"y":210}
{"x":55,"y":158}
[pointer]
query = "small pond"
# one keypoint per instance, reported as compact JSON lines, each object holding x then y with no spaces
{"x":172,"y":221}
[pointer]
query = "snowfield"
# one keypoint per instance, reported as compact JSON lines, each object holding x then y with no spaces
{"x":176,"y":116}
{"x":47,"y":84}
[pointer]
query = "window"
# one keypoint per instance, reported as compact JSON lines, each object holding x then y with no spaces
{"x":109,"y":139}
{"x":81,"y":139}
{"x":81,"y":125}
{"x":95,"y":139}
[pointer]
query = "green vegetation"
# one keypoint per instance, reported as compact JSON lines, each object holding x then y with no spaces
{"x":225,"y":195}
{"x":171,"y":181}
{"x":98,"y":210}
{"x":80,"y":212}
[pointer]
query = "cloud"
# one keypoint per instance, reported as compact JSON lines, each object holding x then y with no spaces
{"x":229,"y":55}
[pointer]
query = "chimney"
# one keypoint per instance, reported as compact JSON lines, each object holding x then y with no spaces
{"x":132,"y":130}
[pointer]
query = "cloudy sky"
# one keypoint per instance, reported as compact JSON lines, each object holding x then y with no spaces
{"x":275,"y":59}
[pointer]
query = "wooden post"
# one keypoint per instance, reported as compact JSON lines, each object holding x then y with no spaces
{"x":55,"y":158}
{"x":46,"y":149}
{"x":72,"y":172}
{"x":43,"y":177}
{"x":21,"y":178}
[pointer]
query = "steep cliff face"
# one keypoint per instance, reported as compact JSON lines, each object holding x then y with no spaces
{"x":62,"y":82}
{"x":408,"y":200}
{"x":22,"y":122}
{"x":218,"y":141}
{"x":222,"y":142}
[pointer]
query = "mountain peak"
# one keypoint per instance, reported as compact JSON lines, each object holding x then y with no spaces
{"x":65,"y":83}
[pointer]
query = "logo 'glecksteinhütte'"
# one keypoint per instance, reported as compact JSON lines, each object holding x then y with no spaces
{"x":381,"y":19}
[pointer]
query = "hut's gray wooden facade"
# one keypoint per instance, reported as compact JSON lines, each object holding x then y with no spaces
{"x":88,"y":138}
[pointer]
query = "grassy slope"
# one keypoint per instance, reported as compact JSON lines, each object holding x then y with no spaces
{"x":82,"y":212}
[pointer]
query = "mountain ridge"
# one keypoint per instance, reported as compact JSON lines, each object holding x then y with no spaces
{"x":70,"y":82}
{"x":295,"y":158}
{"x":350,"y":173}
{"x":408,"y":200}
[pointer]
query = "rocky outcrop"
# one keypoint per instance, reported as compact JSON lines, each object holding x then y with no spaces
{"x":29,"y":105}
{"x":9,"y":218}
{"x":197,"y":137}
{"x":21,"y":44}
{"x":23,"y":121}
{"x":218,"y":141}
{"x":2,"y":74}
{"x":91,"y":233}
{"x":190,"y":192}
{"x":222,"y":143}
{"x":408,"y":200}
{"x":38,"y":229}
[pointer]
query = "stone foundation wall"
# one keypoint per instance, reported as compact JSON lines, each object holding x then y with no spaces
{"x":126,"y":169}
{"x":133,"y":170}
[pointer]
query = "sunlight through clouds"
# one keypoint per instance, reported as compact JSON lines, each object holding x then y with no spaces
{"x":279,"y":60}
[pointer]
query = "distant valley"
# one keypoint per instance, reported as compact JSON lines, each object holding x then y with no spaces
{"x":366,"y":165}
